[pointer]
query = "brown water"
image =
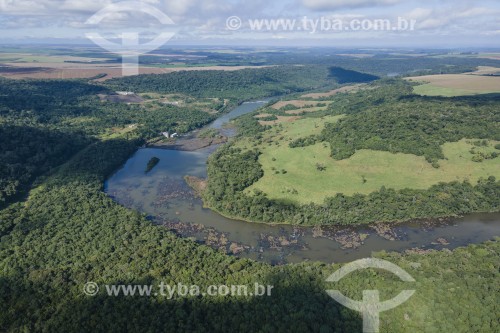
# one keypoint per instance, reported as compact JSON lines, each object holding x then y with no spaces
{"x":163,"y":194}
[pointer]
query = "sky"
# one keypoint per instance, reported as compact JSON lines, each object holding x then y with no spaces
{"x":436,"y":23}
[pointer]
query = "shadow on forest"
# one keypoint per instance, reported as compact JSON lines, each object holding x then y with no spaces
{"x":296,"y":305}
{"x":28,"y":152}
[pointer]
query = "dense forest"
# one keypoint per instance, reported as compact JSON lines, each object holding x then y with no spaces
{"x":68,"y":232}
{"x":74,"y":106}
{"x":237,"y":85}
{"x":29,"y":152}
{"x":415,"y":125}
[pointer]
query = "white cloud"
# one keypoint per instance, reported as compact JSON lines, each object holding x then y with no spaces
{"x":453,"y":18}
{"x":338,"y":4}
{"x":477,"y":11}
{"x":87,"y":6}
{"x":205,"y":18}
{"x":26,"y":7}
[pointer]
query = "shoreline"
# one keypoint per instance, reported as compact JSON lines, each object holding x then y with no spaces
{"x":424,"y":221}
{"x":281,"y":243}
{"x":191,"y":144}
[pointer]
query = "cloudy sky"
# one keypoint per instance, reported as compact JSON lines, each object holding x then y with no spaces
{"x":437,"y":23}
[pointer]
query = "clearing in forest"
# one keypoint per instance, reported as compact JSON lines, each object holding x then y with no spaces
{"x":309,"y":174}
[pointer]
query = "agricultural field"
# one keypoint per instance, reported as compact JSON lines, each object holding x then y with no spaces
{"x":486,"y":70}
{"x":55,"y":66}
{"x":449,"y":85}
{"x":57,"y":70}
{"x":494,"y":56}
{"x":85,"y":71}
{"x":309,"y":174}
{"x":52,"y":59}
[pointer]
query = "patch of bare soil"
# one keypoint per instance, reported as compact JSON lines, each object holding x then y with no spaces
{"x":197,"y":184}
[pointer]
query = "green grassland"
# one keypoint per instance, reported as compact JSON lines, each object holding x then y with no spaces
{"x":366,"y":171}
{"x":429,"y":89}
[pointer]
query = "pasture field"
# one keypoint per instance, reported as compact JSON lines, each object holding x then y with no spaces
{"x":346,"y":89}
{"x":429,"y":89}
{"x":298,"y":103}
{"x":307,"y":110}
{"x":457,"y":84}
{"x":294,"y":173}
{"x":281,"y":119}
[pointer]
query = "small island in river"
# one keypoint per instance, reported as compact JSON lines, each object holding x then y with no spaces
{"x":152,"y":163}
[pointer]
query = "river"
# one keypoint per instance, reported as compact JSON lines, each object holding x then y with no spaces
{"x":163,"y":194}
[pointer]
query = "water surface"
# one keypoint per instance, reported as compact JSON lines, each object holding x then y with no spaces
{"x":163,"y":194}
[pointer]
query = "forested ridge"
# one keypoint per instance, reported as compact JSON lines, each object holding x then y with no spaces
{"x":239,"y":85}
{"x":74,"y":106}
{"x":415,"y":125}
{"x":68,"y":232}
{"x":388,"y":117}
